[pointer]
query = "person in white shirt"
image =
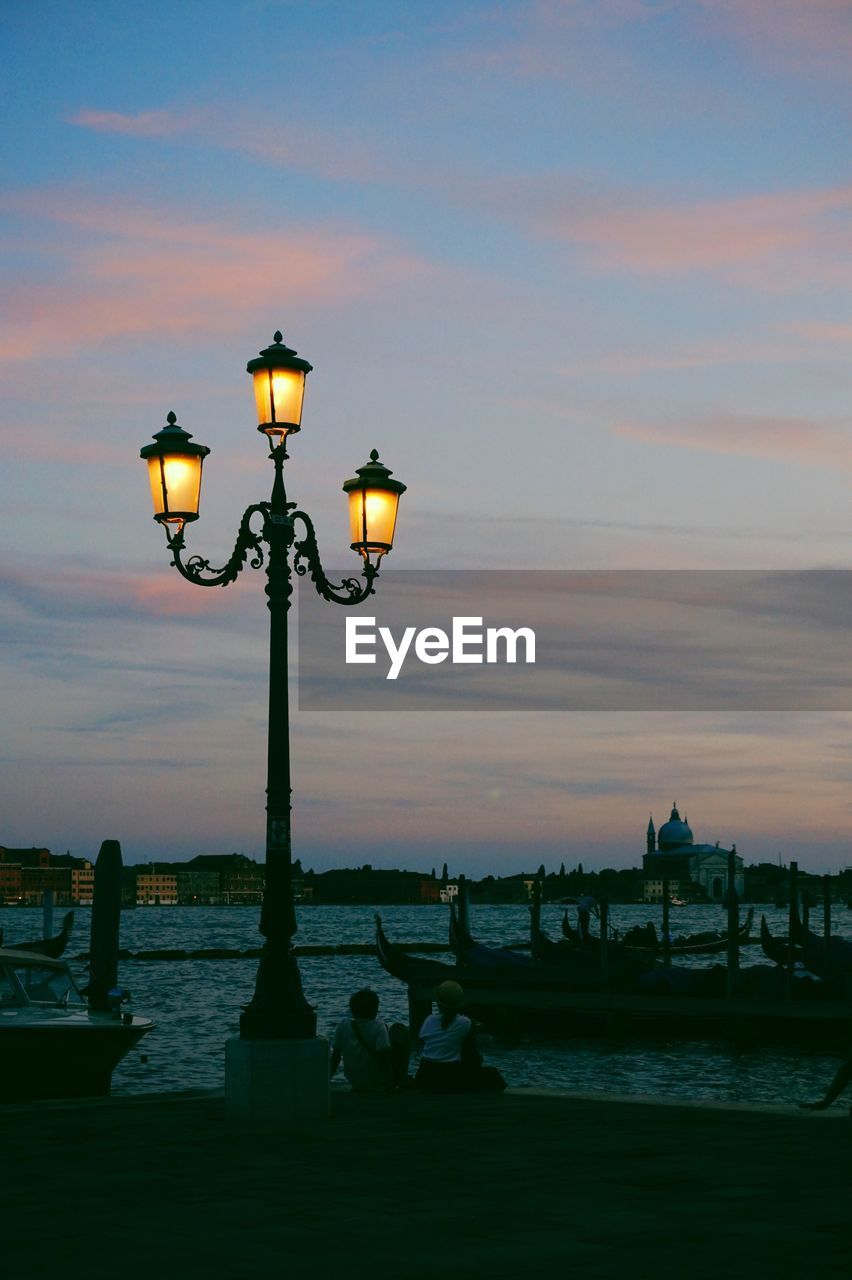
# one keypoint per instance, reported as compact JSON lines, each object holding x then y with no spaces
{"x":363,"y":1043}
{"x":449,"y":1059}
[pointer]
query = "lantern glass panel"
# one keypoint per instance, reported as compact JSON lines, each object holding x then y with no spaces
{"x":179,"y":474}
{"x":279,"y":394}
{"x":372,"y":516}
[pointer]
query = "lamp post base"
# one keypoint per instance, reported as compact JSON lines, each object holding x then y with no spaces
{"x":276,"y":1084}
{"x":278,"y":1009}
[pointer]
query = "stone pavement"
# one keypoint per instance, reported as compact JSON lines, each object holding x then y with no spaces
{"x":413,"y":1187}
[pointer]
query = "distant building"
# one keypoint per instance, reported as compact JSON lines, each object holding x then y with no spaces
{"x":10,"y":884}
{"x":692,"y":870}
{"x":155,"y":888}
{"x":198,"y":888}
{"x":36,"y":881}
{"x":25,"y":857}
{"x":240,"y":878}
{"x":82,"y":877}
{"x":26,"y":874}
{"x":372,"y":887}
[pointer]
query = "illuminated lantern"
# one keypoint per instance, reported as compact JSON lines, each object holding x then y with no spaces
{"x":279,"y":389}
{"x":174,"y":471}
{"x":373,"y":502}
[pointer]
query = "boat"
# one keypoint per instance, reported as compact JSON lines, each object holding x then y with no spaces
{"x":775,"y":949}
{"x":421,"y":973}
{"x":646,"y":999}
{"x":51,"y":1044}
{"x":708,"y":942}
{"x":644,"y":940}
{"x":469,"y":952}
{"x":830,"y":959}
{"x":52,"y":947}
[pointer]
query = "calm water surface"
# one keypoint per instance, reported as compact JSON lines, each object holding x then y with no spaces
{"x":196,"y":1004}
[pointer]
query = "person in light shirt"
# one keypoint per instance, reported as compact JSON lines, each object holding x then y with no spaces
{"x":449,"y":1059}
{"x":375,"y":1057}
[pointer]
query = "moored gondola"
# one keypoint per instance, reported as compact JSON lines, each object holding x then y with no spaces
{"x":583,"y":974}
{"x":52,"y":947}
{"x":640,"y":939}
{"x":469,"y":952}
{"x":710,"y":942}
{"x":827,"y":958}
{"x":775,"y":949}
{"x":656,"y":1000}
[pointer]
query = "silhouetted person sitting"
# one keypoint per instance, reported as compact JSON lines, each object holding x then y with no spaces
{"x":375,"y":1056}
{"x":449,"y":1059}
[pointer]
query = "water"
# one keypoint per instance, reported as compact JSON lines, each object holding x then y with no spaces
{"x":196,"y":1004}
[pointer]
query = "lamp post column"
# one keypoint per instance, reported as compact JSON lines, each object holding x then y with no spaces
{"x":276,"y":1070}
{"x":278,"y":1010}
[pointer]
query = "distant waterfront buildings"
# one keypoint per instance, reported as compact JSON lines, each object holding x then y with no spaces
{"x":695,"y":872}
{"x":27,"y":874}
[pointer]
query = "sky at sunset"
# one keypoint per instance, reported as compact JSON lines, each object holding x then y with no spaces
{"x":581,"y":271}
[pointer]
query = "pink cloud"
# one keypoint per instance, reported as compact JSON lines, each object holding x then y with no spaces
{"x":834,"y":333}
{"x":167,"y":595}
{"x":798,"y":440}
{"x":146,"y":124}
{"x":553,"y":39}
{"x":340,"y":154}
{"x":649,"y":236}
{"x":24,"y":444}
{"x":150,"y":272}
{"x":673,"y":355}
{"x":806,"y":35}
{"x":91,"y":593}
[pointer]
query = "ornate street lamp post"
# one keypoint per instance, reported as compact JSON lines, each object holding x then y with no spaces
{"x":278,"y":1009}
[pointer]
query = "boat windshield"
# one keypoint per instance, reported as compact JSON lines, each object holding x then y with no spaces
{"x":45,"y":985}
{"x":9,"y":996}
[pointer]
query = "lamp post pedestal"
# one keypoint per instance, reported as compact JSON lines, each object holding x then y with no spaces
{"x":276,"y":1084}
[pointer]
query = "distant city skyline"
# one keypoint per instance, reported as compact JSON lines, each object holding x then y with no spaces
{"x":580,"y":271}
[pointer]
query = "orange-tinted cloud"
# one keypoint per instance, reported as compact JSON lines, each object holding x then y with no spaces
{"x":744,"y":239}
{"x":154,"y":272}
{"x":798,"y":440}
{"x":89,"y":594}
{"x":824,"y":332}
{"x":650,"y":236}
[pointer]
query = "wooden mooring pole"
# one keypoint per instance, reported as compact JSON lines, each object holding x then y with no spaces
{"x":667,"y":941}
{"x":791,"y":927}
{"x":733,"y":924}
{"x":535,"y":921}
{"x":47,"y":900}
{"x":604,"y":913}
{"x":461,"y":906}
{"x":106,"y":916}
{"x":826,"y":915}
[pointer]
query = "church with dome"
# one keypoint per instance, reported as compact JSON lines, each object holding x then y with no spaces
{"x":693,"y":871}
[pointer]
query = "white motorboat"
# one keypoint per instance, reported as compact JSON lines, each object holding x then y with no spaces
{"x":51,"y":1044}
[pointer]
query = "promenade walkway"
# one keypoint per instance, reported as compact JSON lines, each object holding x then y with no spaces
{"x":407,"y":1187}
